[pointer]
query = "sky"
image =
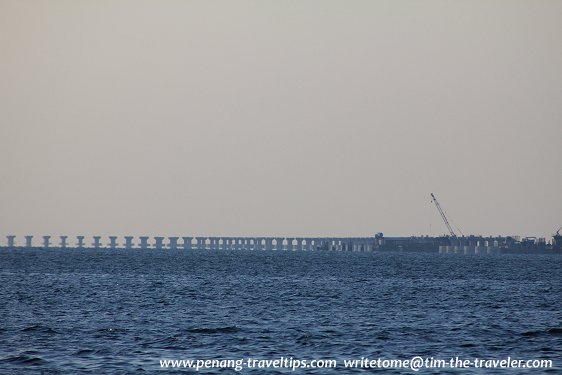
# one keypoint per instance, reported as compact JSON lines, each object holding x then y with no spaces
{"x":296,"y":118}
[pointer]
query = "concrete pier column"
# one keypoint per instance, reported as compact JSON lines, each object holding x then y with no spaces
{"x":280,"y":245}
{"x":247,"y":243}
{"x":312,"y":243}
{"x":158,"y":243}
{"x":143,"y":244}
{"x":28,"y":241}
{"x":97,"y":242}
{"x":316,"y":244}
{"x":187,"y":243}
{"x":11,"y":241}
{"x":289,"y":244}
{"x":80,"y":242}
{"x":199,"y":243}
{"x":173,"y":242}
{"x":63,"y":242}
{"x":113,"y":242}
{"x":128,"y":242}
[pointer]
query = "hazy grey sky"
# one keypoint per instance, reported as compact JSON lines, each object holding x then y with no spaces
{"x":280,"y":117}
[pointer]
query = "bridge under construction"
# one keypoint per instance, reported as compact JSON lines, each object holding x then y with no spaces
{"x":443,"y":244}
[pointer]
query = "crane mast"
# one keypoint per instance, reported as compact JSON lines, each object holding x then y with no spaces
{"x":434,"y":200}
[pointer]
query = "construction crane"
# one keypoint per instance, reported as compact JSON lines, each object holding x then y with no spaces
{"x":557,"y":240}
{"x":451,"y":231}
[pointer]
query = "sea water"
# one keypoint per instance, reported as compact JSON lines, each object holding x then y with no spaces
{"x":121,"y":311}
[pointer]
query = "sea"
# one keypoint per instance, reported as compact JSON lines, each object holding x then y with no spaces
{"x":69,"y":311}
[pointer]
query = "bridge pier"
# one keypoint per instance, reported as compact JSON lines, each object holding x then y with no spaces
{"x":129,"y":242}
{"x":11,"y":241}
{"x":187,"y":243}
{"x":97,"y":242}
{"x":28,"y":241}
{"x":173,"y":241}
{"x":113,"y":242}
{"x":158,"y":243}
{"x":63,"y":242}
{"x":143,"y":242}
{"x":46,"y":242}
{"x":200,"y":243}
{"x":80,"y":242}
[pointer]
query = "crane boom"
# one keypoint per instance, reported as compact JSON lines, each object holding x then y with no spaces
{"x":434,"y":200}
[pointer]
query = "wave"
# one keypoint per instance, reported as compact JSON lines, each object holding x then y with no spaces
{"x":218,"y":330}
{"x":23,"y":359}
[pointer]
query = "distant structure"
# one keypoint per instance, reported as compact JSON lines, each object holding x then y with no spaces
{"x":443,"y":244}
{"x":80,"y":242}
{"x":557,"y":240}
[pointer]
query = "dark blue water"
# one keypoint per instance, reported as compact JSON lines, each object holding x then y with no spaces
{"x":100,"y":311}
